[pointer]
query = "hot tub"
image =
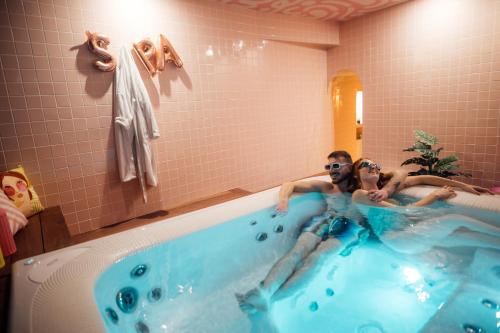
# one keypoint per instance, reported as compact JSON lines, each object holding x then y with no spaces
{"x":181,"y":274}
{"x":70,"y":290}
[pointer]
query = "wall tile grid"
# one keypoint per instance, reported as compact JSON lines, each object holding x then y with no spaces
{"x":252,"y":115}
{"x":431,"y":65}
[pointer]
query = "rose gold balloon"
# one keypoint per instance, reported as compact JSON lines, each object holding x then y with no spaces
{"x":98,"y":44}
{"x":166,"y":52}
{"x":146,"y":51}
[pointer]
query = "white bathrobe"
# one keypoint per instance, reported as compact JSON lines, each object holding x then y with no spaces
{"x":135,"y":124}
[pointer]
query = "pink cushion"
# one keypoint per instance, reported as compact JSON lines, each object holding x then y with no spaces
{"x":15,"y":217}
{"x":7,"y":243}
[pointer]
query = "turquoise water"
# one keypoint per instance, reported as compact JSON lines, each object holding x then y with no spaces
{"x":188,"y":284}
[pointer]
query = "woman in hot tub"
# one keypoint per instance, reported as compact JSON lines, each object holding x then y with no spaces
{"x":410,"y":230}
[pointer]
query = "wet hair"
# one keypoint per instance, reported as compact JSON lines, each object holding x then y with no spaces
{"x":356,"y":179}
{"x":16,"y":175}
{"x":341,"y":153}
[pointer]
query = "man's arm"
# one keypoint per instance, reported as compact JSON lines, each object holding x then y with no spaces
{"x":287,"y":189}
{"x":439,"y":181}
{"x":397,"y":178}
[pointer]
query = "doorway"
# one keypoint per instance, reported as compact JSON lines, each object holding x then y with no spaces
{"x":347,"y":101}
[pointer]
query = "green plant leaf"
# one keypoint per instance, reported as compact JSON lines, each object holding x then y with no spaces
{"x":447,"y":160}
{"x":425,"y":153}
{"x":419,"y":172}
{"x":447,"y":167}
{"x":437,"y":151}
{"x":416,"y":160}
{"x":423,"y":149}
{"x":446,"y":174}
{"x":425,"y":137}
{"x":429,"y":160}
{"x":421,"y":145}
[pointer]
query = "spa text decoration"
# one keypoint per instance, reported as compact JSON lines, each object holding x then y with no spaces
{"x":146,"y":51}
{"x":153,"y":58}
{"x":167,"y":53}
{"x":98,"y":44}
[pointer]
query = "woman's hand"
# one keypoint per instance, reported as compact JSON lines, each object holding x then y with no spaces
{"x":444,"y":193}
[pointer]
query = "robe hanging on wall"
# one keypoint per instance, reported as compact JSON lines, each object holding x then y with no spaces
{"x":135,"y":125}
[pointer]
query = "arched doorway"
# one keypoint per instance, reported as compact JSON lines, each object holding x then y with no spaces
{"x":347,"y":101}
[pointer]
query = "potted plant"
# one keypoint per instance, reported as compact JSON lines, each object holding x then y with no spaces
{"x":429,"y":161}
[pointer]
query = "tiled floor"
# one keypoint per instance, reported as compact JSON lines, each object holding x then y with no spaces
{"x":142,"y":220}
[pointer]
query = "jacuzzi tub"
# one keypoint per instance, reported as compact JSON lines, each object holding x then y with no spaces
{"x":187,"y":284}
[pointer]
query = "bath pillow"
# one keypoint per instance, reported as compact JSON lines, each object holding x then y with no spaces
{"x":16,"y":219}
{"x":19,"y":190}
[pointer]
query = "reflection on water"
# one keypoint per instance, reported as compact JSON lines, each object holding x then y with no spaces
{"x":426,"y":270}
{"x":409,"y":270}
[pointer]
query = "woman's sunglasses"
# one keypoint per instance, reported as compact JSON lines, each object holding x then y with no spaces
{"x":369,"y":165}
{"x":335,"y":166}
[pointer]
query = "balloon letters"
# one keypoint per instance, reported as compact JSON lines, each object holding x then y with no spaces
{"x":153,"y":58}
{"x":98,"y":44}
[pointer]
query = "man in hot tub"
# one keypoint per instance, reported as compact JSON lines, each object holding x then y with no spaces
{"x":321,"y":233}
{"x":338,"y":230}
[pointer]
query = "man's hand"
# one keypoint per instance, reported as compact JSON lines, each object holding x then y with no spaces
{"x":477,"y":190}
{"x":282,"y":207}
{"x":378,"y":195}
{"x":480,"y":189}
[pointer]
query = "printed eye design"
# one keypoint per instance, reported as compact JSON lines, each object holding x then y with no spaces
{"x":21,"y":186}
{"x":9,"y":191}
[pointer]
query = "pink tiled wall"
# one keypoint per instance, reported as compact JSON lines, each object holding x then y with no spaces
{"x":431,"y":65}
{"x":252,"y":115}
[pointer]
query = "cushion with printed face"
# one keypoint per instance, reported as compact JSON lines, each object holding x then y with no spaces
{"x":20,"y":192}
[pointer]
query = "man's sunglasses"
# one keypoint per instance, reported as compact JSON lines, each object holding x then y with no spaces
{"x":369,"y":165}
{"x":335,"y":166}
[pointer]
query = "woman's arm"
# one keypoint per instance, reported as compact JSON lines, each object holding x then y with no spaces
{"x":443,"y":193}
{"x":439,"y":181}
{"x":362,"y":196}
